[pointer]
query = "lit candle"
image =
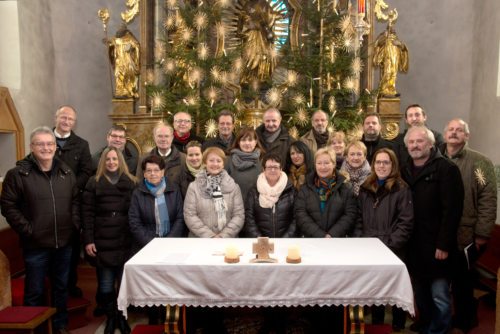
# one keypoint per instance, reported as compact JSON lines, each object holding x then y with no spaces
{"x":232,"y":252}
{"x":293,"y":252}
{"x":361,"y":6}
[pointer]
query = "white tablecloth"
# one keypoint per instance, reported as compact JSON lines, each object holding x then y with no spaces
{"x":192,"y":272}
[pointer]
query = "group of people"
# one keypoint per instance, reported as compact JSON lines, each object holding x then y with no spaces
{"x":408,"y":192}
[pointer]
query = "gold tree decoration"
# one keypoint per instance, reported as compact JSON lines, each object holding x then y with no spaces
{"x":228,"y":54}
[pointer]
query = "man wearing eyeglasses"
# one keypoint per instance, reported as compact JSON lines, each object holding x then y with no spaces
{"x":117,"y":137}
{"x":182,"y":131}
{"x":40,"y":202}
{"x":75,"y":152}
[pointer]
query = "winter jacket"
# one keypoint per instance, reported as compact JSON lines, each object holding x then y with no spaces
{"x":246,"y":178}
{"x":141,"y":214}
{"x":387,"y":215}
{"x":105,"y":219}
{"x":199,"y":208}
{"x":340,"y":214}
{"x":280,"y":145}
{"x":43,"y":209}
{"x":373,"y":146}
{"x":181,"y":146}
{"x":76,"y":154}
{"x":480,"y":200}
{"x":276,"y":222}
{"x":173,"y":164}
{"x":184,"y":180}
{"x":310,"y":141}
{"x":438,"y":197}
{"x":218,"y":142}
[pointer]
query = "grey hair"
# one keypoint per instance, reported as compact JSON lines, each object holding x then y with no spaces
{"x":42,"y":129}
{"x":423,"y":129}
{"x":464,"y":123}
{"x":162,"y":125}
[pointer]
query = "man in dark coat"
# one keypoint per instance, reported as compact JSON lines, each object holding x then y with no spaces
{"x":372,"y":138}
{"x":40,"y":202}
{"x":75,"y":152}
{"x":117,"y":137}
{"x":225,"y":138}
{"x":182,"y":131}
{"x":163,"y":134}
{"x":438,"y":195}
{"x":273,"y":135}
{"x":414,"y":116}
{"x":478,"y":218}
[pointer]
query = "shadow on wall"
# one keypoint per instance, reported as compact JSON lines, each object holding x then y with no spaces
{"x":497,"y":173}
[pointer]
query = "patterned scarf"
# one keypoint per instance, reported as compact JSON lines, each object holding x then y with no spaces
{"x":244,"y":160}
{"x":213,"y":189}
{"x":161,"y":210}
{"x":298,"y":175}
{"x":324,"y":188}
{"x":268,"y":196}
{"x":356,"y":175}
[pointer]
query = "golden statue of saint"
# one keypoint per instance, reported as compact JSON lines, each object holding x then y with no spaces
{"x":258,"y":19}
{"x":391,"y":55}
{"x":124,"y":56}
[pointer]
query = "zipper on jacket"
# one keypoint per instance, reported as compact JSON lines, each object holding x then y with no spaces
{"x":54,"y":208}
{"x":274,"y":220}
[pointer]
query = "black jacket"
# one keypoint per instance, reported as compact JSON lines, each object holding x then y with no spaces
{"x":76,"y":154}
{"x":277,"y":222}
{"x":141,"y":214}
{"x":218,"y":142}
{"x":387,"y":215}
{"x":375,"y":145}
{"x":105,"y":219}
{"x":438,"y":197}
{"x":43,"y":208}
{"x":280,"y":145}
{"x":340,"y":214}
{"x":181,"y":146}
{"x":185,"y":178}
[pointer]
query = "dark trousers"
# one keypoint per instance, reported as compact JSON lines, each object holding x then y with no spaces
{"x":52,"y":262}
{"x":462,"y":288}
{"x":75,"y":260}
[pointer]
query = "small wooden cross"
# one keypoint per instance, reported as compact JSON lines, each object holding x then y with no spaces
{"x":263,"y":247}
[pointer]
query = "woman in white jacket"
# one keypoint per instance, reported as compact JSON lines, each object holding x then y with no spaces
{"x":213,"y":207}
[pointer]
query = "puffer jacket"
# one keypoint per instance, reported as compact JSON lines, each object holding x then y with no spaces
{"x":141,"y":214}
{"x":44,"y":210}
{"x":199,"y":208}
{"x":276,"y":222}
{"x":105,"y":219}
{"x":387,"y":215}
{"x":340,"y":214}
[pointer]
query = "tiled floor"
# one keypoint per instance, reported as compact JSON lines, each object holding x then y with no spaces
{"x":87,"y":282}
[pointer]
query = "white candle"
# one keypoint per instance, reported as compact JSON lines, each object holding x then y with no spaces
{"x":232,"y":252}
{"x":294,"y":252}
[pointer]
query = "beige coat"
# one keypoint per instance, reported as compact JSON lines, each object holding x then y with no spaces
{"x":310,"y":141}
{"x":199,"y":209}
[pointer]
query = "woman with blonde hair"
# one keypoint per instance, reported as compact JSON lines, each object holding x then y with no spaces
{"x":336,"y":142}
{"x":213,"y":207}
{"x":355,"y":165}
{"x":106,"y":232}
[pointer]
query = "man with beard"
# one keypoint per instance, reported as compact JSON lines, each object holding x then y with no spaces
{"x":414,"y":116}
{"x":372,"y":125}
{"x":225,"y":139}
{"x":478,"y":219}
{"x":438,"y":196}
{"x":273,"y":135}
{"x":317,"y":137}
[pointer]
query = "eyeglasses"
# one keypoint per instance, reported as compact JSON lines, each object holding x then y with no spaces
{"x":272,"y":167}
{"x":117,"y":137}
{"x":47,"y":144}
{"x":152,"y":171}
{"x":382,"y":162}
{"x":179,"y":121}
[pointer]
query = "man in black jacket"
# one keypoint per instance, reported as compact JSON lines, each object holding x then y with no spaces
{"x":40,"y":202}
{"x":372,"y":138}
{"x":225,"y":138}
{"x":438,"y":196}
{"x":75,"y":152}
{"x":273,"y":135}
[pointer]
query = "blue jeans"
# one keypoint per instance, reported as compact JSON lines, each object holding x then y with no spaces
{"x":107,"y":277}
{"x":433,"y":300}
{"x":55,"y":263}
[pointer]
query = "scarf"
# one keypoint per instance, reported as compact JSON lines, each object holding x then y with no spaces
{"x":113,"y":177}
{"x":194,"y":171}
{"x":298,"y":175}
{"x":271,"y":137}
{"x":161,"y":210}
{"x":321,"y":138}
{"x":324,"y":188}
{"x":213,"y":189}
{"x":183,"y":139}
{"x":268,"y":196}
{"x":243,"y":160}
{"x":357,"y":175}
